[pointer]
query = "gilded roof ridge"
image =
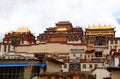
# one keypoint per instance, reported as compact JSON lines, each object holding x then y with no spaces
{"x":23,"y":30}
{"x":99,"y":26}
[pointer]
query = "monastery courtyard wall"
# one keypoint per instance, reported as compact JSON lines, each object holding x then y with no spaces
{"x":66,"y":75}
{"x":49,"y":48}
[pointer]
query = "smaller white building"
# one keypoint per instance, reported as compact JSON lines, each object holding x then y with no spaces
{"x":65,"y":67}
{"x":88,"y":65}
{"x":115,"y":61}
{"x":114,"y":43}
{"x":53,"y":65}
{"x":100,"y":73}
{"x":5,"y":48}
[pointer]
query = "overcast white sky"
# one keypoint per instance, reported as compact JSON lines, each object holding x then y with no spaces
{"x":37,"y":15}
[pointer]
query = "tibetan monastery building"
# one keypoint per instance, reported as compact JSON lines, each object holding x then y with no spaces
{"x":98,"y":35}
{"x":59,"y":39}
{"x":64,"y":32}
{"x":22,"y":36}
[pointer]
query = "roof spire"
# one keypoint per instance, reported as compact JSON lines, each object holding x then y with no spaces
{"x":23,"y":30}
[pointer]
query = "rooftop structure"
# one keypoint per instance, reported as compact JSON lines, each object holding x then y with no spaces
{"x":63,"y":32}
{"x":100,"y":27}
{"x":99,"y":35}
{"x":22,"y":36}
{"x":23,"y":30}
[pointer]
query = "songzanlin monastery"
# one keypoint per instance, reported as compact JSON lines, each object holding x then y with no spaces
{"x":80,"y":49}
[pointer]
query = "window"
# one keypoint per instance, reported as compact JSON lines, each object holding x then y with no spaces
{"x":96,"y":65}
{"x":8,"y":48}
{"x":80,"y":55}
{"x":115,"y":41}
{"x":22,"y":42}
{"x":111,"y":42}
{"x":4,"y":48}
{"x":91,"y":42}
{"x":13,"y":47}
{"x":85,"y":56}
{"x":84,"y":66}
{"x":110,"y":47}
{"x":61,"y":70}
{"x":65,"y":65}
{"x":92,"y":56}
{"x":98,"y":54}
{"x":90,"y":65}
{"x":88,"y":56}
{"x":115,"y":47}
{"x":73,"y":55}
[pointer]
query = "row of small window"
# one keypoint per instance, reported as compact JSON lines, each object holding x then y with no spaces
{"x":77,"y":50}
{"x":74,"y":39}
{"x":113,"y":47}
{"x":90,"y":66}
{"x":86,"y":56}
{"x":84,"y":66}
{"x":43,"y":36}
{"x":73,"y":36}
{"x":99,"y":32}
{"x":113,"y":42}
{"x":74,"y":55}
{"x":89,"y":56}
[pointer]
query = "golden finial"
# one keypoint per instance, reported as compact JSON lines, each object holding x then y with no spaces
{"x":23,"y":30}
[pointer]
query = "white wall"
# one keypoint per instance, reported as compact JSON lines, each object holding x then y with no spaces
{"x":93,"y":66}
{"x":2,"y":47}
{"x":65,"y":69}
{"x":116,"y":61}
{"x":101,"y":73}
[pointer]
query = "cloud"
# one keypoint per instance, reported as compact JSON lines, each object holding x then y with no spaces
{"x":40,"y":14}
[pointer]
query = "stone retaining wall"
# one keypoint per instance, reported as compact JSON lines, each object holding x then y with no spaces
{"x":65,"y":76}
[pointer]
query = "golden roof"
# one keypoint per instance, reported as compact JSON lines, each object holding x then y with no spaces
{"x":23,"y":30}
{"x":99,"y":27}
{"x":61,"y":29}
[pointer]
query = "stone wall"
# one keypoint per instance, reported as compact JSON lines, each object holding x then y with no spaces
{"x":66,"y":75}
{"x":49,"y":48}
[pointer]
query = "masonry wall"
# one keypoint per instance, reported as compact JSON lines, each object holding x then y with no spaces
{"x":52,"y":67}
{"x":65,"y":76}
{"x":49,"y":48}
